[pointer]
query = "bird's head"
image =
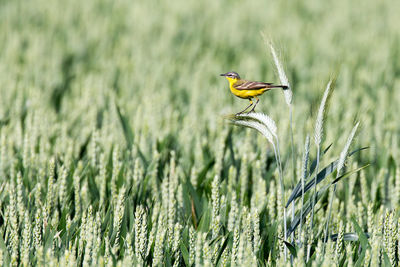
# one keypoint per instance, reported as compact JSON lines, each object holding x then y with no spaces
{"x":231,"y":76}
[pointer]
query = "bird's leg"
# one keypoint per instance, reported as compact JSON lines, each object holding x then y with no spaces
{"x":251,"y":103}
{"x":254,"y":105}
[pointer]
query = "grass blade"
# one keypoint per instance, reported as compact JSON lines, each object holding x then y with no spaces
{"x":296,"y":193}
{"x":128,"y":133}
{"x":348,"y":237}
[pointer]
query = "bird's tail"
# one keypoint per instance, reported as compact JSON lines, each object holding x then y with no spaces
{"x":284,"y":87}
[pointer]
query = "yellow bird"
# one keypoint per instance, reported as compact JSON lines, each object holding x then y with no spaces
{"x":248,"y":89}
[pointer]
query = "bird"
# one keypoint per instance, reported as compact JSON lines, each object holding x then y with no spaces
{"x":248,"y":89}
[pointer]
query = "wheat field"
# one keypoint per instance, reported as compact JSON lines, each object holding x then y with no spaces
{"x":118,"y":146}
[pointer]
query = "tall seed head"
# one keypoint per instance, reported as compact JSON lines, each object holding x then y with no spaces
{"x":282,"y":75}
{"x":345,"y":151}
{"x":320,"y":117}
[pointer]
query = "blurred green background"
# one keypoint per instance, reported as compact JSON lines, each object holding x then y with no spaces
{"x":160,"y":61}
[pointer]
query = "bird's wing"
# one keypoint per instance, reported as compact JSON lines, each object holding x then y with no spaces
{"x":249,"y":85}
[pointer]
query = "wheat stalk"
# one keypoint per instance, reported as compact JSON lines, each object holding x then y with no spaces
{"x":342,"y":159}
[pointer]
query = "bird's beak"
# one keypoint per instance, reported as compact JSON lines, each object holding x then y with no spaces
{"x":223,"y":74}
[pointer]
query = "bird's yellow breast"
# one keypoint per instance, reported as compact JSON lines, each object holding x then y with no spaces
{"x":243,"y":93}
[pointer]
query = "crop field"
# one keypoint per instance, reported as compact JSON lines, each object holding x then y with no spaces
{"x":119,"y":145}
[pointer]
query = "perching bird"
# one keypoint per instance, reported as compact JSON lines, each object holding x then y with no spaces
{"x":248,"y":89}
